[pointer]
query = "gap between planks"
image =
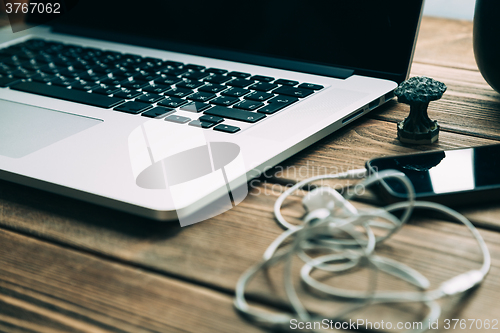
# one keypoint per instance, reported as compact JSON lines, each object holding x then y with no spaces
{"x":47,"y":288}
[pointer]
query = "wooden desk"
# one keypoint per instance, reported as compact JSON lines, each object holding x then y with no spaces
{"x":68,"y":266}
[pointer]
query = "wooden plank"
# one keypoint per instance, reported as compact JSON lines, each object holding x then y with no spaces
{"x":46,"y":288}
{"x":446,"y":43}
{"x":216,"y":252}
{"x":460,"y":82}
{"x":469,"y":106}
{"x":354,"y":145}
{"x":444,"y":51}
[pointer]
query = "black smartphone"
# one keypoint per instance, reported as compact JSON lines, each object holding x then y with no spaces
{"x":451,"y":177}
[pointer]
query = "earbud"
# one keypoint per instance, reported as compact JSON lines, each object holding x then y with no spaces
{"x":327,"y":198}
{"x":332,"y":224}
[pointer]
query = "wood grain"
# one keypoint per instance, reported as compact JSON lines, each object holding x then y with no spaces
{"x":469,"y":106}
{"x":444,"y":52}
{"x":47,"y":288}
{"x":444,"y":42}
{"x":354,"y":145}
{"x":215,"y":253}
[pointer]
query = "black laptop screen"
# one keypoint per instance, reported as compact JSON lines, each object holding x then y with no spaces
{"x":373,"y":35}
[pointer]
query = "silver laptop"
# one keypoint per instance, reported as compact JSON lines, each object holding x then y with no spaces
{"x":166,"y":109}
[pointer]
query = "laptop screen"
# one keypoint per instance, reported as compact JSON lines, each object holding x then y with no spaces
{"x":374,"y":37}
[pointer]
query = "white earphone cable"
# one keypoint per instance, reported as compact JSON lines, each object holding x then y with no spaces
{"x":330,"y":218}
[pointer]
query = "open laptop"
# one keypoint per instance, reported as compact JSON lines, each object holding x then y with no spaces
{"x":166,"y":109}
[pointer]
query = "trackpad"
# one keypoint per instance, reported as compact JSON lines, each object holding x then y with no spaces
{"x":25,"y":129}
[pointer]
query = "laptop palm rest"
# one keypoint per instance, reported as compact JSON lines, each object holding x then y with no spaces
{"x":25,"y":129}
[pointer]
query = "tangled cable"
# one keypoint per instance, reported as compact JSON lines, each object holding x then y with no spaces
{"x":333,"y":224}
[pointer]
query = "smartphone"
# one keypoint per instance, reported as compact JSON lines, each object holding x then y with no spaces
{"x":451,"y":177}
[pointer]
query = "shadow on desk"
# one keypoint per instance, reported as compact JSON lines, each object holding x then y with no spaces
{"x":21,"y":204}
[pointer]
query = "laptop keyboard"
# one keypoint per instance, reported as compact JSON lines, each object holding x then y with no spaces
{"x":150,"y":87}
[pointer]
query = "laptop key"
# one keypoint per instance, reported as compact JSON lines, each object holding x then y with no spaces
{"x":43,"y":58}
{"x":68,"y":94}
{"x":285,"y":82}
{"x":104,"y":69}
{"x":50,"y":69}
{"x":195,"y":75}
{"x":44,"y":78}
{"x":262,"y":78}
{"x":263,"y":86}
{"x":23,"y":73}
{"x":5,"y":73}
{"x":201,"y":124}
{"x":226,"y":128}
{"x":154,"y":72}
{"x":153,"y":60}
{"x":156,"y":88}
{"x":7,"y":81}
{"x":195,"y":107}
{"x":79,"y":64}
{"x":30,"y":66}
{"x":177,"y":119}
{"x":134,"y":84}
{"x":283,"y":99}
{"x":216,"y":70}
{"x":84,"y":85}
{"x":249,"y":105}
{"x":235,"y":114}
{"x":173,"y":71}
{"x":106,"y":90}
{"x":112,"y":81}
{"x":156,"y":112}
{"x":14,"y":62}
{"x":92,"y":76}
{"x":217,"y":78}
{"x":172,"y":102}
{"x":63,"y":82}
{"x":291,"y":91}
{"x":173,"y":63}
{"x":201,"y":96}
{"x":105,"y":86}
{"x":272,"y":108}
{"x":133,"y":107}
{"x":149,"y":98}
{"x":6,"y":70}
{"x":311,"y":86}
{"x":239,"y":83}
{"x":125,"y":73}
{"x":194,"y":67}
{"x":239,"y":74}
{"x":146,"y":77}
{"x":211,"y":119}
{"x":235,"y":92}
{"x":189,"y":84}
{"x":225,"y":100}
{"x":168,"y":80}
{"x":212,"y":88}
{"x":178,"y":92}
{"x":127,"y":93}
{"x":258,"y":96}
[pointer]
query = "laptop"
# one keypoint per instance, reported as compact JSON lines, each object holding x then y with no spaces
{"x":167,"y":109}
